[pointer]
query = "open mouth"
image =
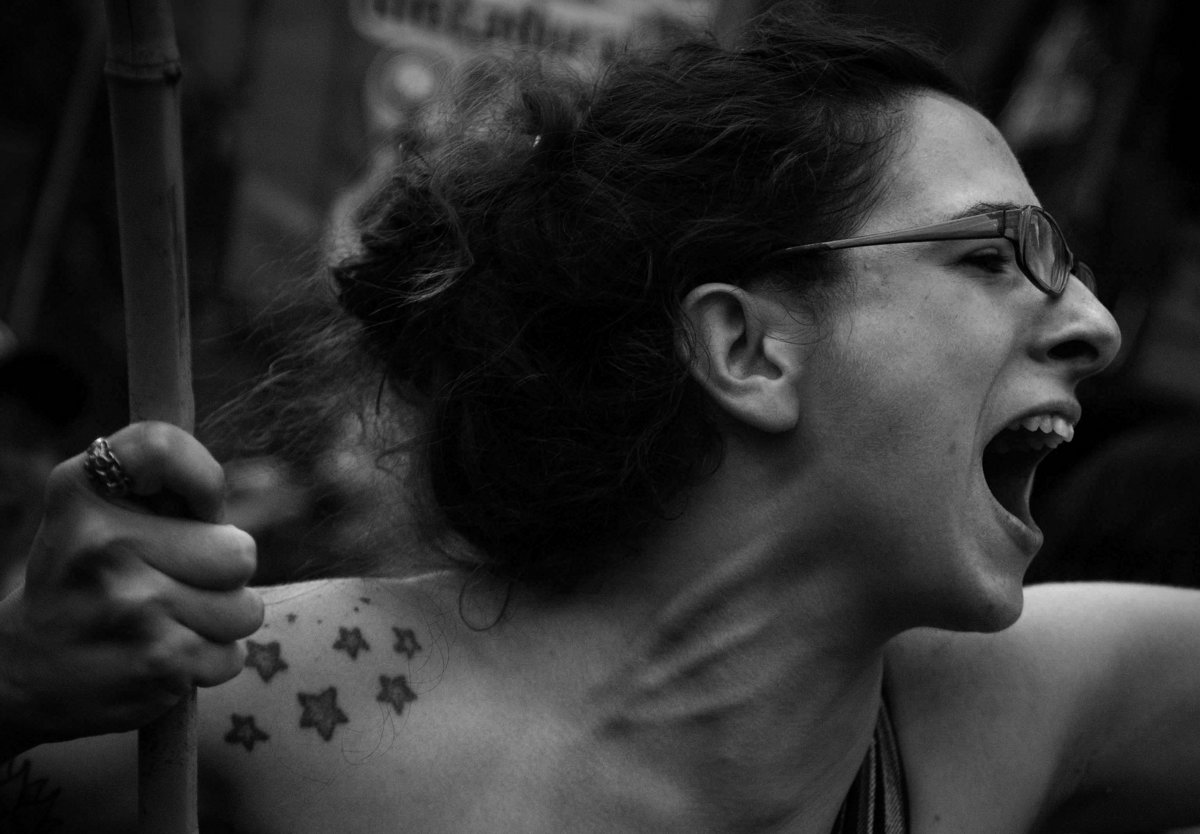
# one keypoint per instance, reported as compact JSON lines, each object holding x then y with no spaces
{"x":1010,"y":459}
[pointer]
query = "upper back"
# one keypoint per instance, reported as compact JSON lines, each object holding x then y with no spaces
{"x":369,"y":703}
{"x":342,"y":717}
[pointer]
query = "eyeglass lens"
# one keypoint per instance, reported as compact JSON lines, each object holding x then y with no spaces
{"x":1045,"y":252}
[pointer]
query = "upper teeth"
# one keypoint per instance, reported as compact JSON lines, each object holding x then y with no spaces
{"x":1046,"y":423}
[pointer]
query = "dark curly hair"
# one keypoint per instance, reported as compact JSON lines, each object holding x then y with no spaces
{"x":519,"y":277}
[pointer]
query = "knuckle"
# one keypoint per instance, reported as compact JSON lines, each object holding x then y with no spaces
{"x":238,"y":655}
{"x":138,"y":595}
{"x":164,"y":666}
{"x":63,"y":485}
{"x":229,"y":560}
{"x":240,"y":615}
{"x":255,"y":611}
{"x":158,"y":663}
{"x":227,"y":662}
{"x":158,"y":439}
{"x":132,"y":611}
{"x":97,"y":554}
{"x":243,"y":555}
{"x":218,"y":482}
{"x":99,"y":533}
{"x":203,"y":469}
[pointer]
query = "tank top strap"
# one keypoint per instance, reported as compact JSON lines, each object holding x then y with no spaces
{"x":877,"y":802}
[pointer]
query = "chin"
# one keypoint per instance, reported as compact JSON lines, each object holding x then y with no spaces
{"x":997,"y":607}
{"x":985,"y":605}
{"x":1000,"y":617}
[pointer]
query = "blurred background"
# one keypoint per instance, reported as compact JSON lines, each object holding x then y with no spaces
{"x":289,"y":109}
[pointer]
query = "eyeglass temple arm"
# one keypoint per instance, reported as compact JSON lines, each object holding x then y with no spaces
{"x":992,"y":224}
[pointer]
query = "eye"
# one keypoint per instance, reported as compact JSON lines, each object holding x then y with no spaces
{"x":995,"y":261}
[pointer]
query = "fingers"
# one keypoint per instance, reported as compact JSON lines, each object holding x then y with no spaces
{"x":221,"y":617}
{"x":173,"y":636}
{"x":102,"y":550}
{"x":181,"y":661}
{"x":93,"y":529}
{"x":128,"y":599}
{"x":195,"y":636}
{"x":204,"y":566}
{"x":215,"y":557}
{"x":212,"y":664}
{"x":169,"y":471}
{"x":121,"y":687}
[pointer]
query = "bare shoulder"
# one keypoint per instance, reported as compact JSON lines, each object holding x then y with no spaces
{"x":1067,"y":634}
{"x":360,"y":702}
{"x":1009,"y":721}
{"x":338,"y":716}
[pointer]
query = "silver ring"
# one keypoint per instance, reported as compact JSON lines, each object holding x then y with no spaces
{"x":104,"y":470}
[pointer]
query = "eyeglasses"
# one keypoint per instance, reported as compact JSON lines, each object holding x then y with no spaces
{"x":1041,"y":250}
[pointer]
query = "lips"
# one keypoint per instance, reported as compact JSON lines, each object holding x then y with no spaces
{"x":1010,"y":459}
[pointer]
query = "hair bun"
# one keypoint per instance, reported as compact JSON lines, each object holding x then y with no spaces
{"x":551,"y":120}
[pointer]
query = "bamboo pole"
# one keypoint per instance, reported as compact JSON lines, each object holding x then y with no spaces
{"x":144,"y":75}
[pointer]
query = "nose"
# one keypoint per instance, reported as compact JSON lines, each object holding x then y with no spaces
{"x":1079,"y":332}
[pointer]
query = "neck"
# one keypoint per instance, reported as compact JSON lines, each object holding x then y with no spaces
{"x":743,"y":697}
{"x":728,"y":675}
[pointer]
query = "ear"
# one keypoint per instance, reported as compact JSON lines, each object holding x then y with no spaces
{"x":741,"y":357}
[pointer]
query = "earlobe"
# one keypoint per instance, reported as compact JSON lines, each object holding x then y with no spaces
{"x":739,"y":355}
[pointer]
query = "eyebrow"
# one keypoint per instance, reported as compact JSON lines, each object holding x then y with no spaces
{"x":982,"y":207}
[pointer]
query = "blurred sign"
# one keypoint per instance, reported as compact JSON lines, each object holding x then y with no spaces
{"x":422,"y":42}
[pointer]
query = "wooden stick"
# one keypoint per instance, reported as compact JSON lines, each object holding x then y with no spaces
{"x":143,"y":75}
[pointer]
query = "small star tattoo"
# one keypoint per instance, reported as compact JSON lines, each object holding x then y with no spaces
{"x":406,"y":642}
{"x":245,"y":732}
{"x":291,"y":618}
{"x":265,"y":658}
{"x":321,"y":711}
{"x":395,"y":691}
{"x":350,"y":640}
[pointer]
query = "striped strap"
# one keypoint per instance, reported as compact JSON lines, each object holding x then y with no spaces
{"x":877,"y":803}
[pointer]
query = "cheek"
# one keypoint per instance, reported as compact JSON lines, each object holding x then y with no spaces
{"x":890,"y":424}
{"x":904,"y":408}
{"x":907,"y":370}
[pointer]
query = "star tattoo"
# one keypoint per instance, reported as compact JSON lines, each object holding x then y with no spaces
{"x":321,"y":711}
{"x":351,"y":641}
{"x":245,"y":732}
{"x":265,"y":658}
{"x":406,"y":642}
{"x":395,"y":691}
